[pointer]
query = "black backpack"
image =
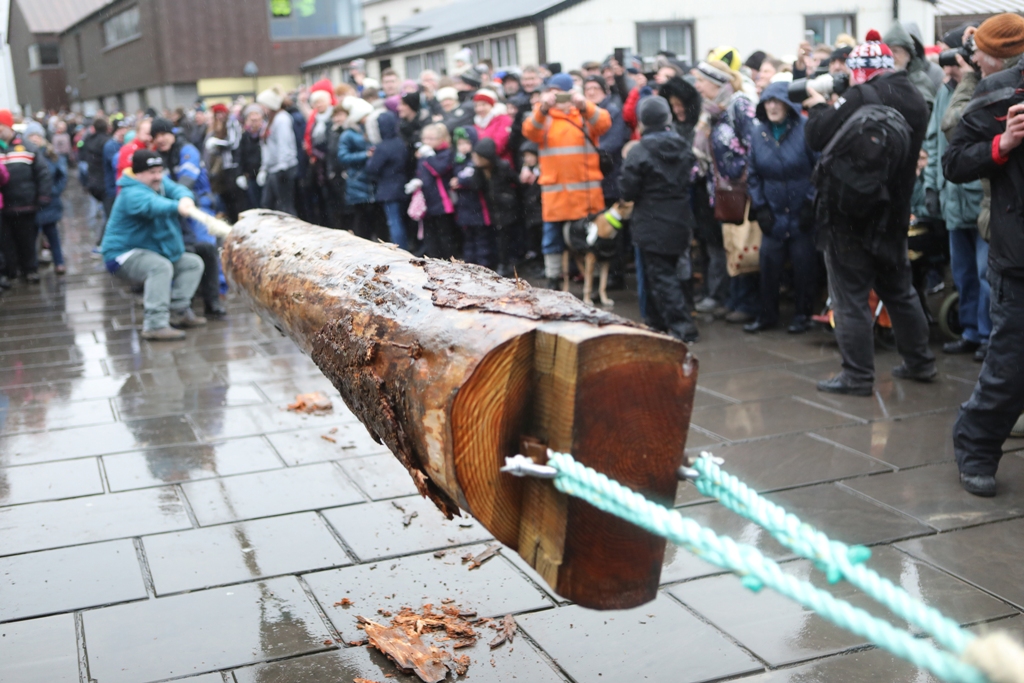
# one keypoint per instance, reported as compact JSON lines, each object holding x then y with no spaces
{"x":863,"y":161}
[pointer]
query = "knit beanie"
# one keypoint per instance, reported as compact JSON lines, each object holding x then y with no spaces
{"x":412,"y":100}
{"x":870,"y":58}
{"x":485,"y":95}
{"x":391,"y":103}
{"x":160,"y":125}
{"x":6,"y":118}
{"x":561,"y":82}
{"x":144,"y":160}
{"x":1001,"y":36}
{"x":654,"y":113}
{"x":270,"y":98}
{"x":447,"y":93}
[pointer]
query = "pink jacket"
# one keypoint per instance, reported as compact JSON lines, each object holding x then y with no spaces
{"x":498,"y":129}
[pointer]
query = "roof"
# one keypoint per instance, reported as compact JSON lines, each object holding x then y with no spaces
{"x":955,"y":7}
{"x":56,"y":16}
{"x":448,"y":21}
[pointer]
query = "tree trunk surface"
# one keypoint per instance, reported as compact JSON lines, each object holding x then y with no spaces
{"x":453,"y":367}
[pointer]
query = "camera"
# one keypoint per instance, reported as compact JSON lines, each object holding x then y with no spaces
{"x":563,"y":97}
{"x":948,"y":57}
{"x":826,"y":84}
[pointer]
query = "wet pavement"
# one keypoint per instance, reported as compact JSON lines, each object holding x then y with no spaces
{"x":163,"y":517}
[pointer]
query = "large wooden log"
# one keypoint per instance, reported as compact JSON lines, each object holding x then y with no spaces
{"x":453,"y":368}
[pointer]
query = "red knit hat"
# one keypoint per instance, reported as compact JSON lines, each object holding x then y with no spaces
{"x":219,"y":108}
{"x":1001,"y":36}
{"x":870,"y":58}
{"x":6,"y":118}
{"x":485,"y":95}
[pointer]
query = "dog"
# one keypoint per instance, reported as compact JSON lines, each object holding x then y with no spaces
{"x":591,"y":241}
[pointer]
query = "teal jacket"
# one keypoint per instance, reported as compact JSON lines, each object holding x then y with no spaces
{"x":143,"y":218}
{"x":961,"y":204}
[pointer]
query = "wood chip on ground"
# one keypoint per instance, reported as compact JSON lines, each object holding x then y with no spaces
{"x":315,"y":402}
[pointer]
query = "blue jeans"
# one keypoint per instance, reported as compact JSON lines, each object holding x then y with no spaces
{"x":396,"y":226}
{"x":968,"y":260}
{"x":53,"y":237}
{"x":552,"y":241}
{"x":744,"y":294}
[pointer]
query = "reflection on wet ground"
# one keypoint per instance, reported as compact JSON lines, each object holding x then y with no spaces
{"x":163,"y":517}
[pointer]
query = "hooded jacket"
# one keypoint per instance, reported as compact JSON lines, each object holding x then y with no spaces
{"x":30,"y":185}
{"x":612,"y":142}
{"x":54,"y":211}
{"x":386,"y":167}
{"x":886,"y":240}
{"x":143,"y":218}
{"x":352,"y":156}
{"x":484,"y":200}
{"x":961,"y":203}
{"x":656,"y":175}
{"x":919,"y":68}
{"x":570,"y":166}
{"x":497,"y":128}
{"x":779,"y":171}
{"x":687,"y":94}
{"x":92,"y":154}
{"x":974,"y":153}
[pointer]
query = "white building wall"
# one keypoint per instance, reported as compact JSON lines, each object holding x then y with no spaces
{"x":592,"y":29}
{"x":8,"y":94}
{"x":132,"y":103}
{"x":526,"y":51}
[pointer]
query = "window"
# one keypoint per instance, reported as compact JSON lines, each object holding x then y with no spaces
{"x":43,"y":56}
{"x":435,"y":61}
{"x":675,"y":37}
{"x":503,"y":52}
{"x":827,"y":27}
{"x":313,"y":18}
{"x":413,"y":66}
{"x":80,"y":54}
{"x":479,"y":50}
{"x":121,"y":27}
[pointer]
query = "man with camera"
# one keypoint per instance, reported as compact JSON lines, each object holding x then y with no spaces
{"x":987,"y":144}
{"x":871,"y":139}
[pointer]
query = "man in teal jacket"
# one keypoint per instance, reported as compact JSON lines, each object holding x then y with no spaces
{"x":143,"y":243}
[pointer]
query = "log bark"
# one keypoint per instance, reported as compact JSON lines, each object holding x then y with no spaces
{"x":452,"y":366}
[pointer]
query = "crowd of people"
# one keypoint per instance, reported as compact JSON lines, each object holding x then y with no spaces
{"x":829,"y":156}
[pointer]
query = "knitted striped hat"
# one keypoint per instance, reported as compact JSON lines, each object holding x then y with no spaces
{"x":869,"y":58}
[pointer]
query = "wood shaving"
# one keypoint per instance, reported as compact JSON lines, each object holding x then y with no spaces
{"x":344,"y":602}
{"x":491,"y":551}
{"x":506,"y":632}
{"x":315,"y":402}
{"x":328,"y":438}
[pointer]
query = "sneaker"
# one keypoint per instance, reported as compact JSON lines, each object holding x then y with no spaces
{"x":983,"y":485}
{"x":960,"y":346}
{"x":840,"y":384}
{"x":216,"y":310}
{"x":706,"y":305}
{"x":60,"y":270}
{"x":901,"y":371}
{"x":186,"y":319}
{"x":1018,"y":428}
{"x":163,"y":334}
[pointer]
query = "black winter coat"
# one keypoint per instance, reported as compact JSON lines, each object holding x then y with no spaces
{"x":30,"y":185}
{"x":441,"y":165}
{"x":529,"y":200}
{"x":656,"y":175}
{"x":486,"y":201}
{"x":886,"y":239}
{"x":92,"y":148}
{"x":386,"y":167}
{"x":973,"y":153}
{"x":780,"y":170}
{"x":250,"y":156}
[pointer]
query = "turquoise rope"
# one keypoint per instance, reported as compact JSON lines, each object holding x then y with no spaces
{"x":837,"y":560}
{"x":755,"y":570}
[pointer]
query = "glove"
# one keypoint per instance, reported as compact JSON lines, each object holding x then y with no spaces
{"x":413,"y":185}
{"x":765,"y":220}
{"x":932,"y":204}
{"x":242,"y":182}
{"x":185,"y":205}
{"x":425,"y":151}
{"x":261,"y":178}
{"x":213,"y":143}
{"x":807,"y":218}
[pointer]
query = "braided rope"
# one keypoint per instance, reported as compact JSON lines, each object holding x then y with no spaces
{"x":755,"y":570}
{"x":837,"y":560}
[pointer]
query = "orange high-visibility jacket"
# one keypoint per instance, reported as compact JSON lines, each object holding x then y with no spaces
{"x":570,"y":168}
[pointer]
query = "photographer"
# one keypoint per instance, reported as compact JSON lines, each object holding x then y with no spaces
{"x":865,"y":241}
{"x":986,"y":144}
{"x":958,"y":205}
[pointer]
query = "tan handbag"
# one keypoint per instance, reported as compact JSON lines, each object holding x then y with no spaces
{"x":742,"y":245}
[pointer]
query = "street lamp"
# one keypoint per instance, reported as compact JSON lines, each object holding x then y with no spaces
{"x":252,"y":71}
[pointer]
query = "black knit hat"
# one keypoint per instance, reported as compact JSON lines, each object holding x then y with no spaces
{"x":412,"y":100}
{"x":655,"y":113}
{"x":145,"y":160}
{"x":160,"y":125}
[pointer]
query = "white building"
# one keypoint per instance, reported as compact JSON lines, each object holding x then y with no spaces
{"x":412,"y":35}
{"x":8,"y":93}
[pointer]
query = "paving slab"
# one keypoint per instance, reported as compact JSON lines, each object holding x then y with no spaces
{"x":186,"y":400}
{"x":380,"y":476}
{"x":39,"y":651}
{"x":49,"y":481}
{"x":265,"y":494}
{"x":908,"y":442}
{"x":188,"y":634}
{"x":756,"y":419}
{"x":494,"y":589}
{"x":326,"y":442}
{"x":233,"y":553}
{"x":173,"y":464}
{"x":61,"y":580}
{"x":264,"y":419}
{"x":648,"y":642}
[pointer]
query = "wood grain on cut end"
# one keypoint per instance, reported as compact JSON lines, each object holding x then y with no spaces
{"x":489,"y":415}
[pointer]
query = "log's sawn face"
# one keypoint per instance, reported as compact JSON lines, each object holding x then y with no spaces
{"x":451,"y":366}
